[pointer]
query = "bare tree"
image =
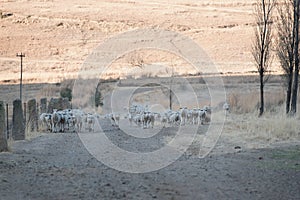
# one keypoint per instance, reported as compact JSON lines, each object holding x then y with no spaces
{"x":285,"y":45}
{"x":261,"y":49}
{"x":288,"y":49}
{"x":296,"y":57}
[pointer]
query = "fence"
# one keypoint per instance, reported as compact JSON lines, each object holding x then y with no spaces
{"x":22,"y":118}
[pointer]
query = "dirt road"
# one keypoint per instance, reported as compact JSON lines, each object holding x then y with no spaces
{"x":57,"y":166}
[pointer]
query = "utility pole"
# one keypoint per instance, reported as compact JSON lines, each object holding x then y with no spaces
{"x":21,"y":55}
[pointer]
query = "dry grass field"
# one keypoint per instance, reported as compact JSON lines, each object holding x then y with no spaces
{"x":57,"y":36}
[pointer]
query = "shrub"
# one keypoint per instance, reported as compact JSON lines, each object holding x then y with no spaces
{"x":98,"y":98}
{"x":66,"y":93}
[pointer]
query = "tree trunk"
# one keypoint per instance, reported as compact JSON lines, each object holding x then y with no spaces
{"x":296,"y":56}
{"x":295,"y":90}
{"x":262,"y":106}
{"x":289,"y":91}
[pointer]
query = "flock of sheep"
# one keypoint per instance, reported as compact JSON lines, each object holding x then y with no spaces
{"x":77,"y":120}
{"x":142,"y":117}
{"x":67,"y":120}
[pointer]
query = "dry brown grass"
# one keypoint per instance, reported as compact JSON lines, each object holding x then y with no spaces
{"x":49,"y":91}
{"x":242,"y":103}
{"x":264,"y":130}
{"x":272,"y":127}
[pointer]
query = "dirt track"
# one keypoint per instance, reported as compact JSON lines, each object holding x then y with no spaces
{"x":57,"y":166}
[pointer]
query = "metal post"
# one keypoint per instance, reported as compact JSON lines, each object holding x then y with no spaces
{"x":171,"y":83}
{"x":25,"y":122}
{"x":7,"y":125}
{"x":21,"y":55}
{"x":36,"y":116}
{"x":170,"y":97}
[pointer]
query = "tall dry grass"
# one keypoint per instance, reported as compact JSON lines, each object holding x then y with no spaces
{"x":273,"y":126}
{"x":49,"y":91}
{"x":242,"y":103}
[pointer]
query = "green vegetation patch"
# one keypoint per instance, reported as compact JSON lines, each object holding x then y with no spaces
{"x":288,"y":159}
{"x":292,"y":154}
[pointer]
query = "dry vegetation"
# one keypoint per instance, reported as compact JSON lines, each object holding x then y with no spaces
{"x":248,"y":131}
{"x":249,"y":102}
{"x":274,"y":126}
{"x":57,"y":36}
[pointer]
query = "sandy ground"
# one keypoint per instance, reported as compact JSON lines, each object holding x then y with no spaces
{"x":57,"y":166}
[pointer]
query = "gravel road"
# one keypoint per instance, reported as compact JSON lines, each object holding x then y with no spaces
{"x":57,"y":166}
